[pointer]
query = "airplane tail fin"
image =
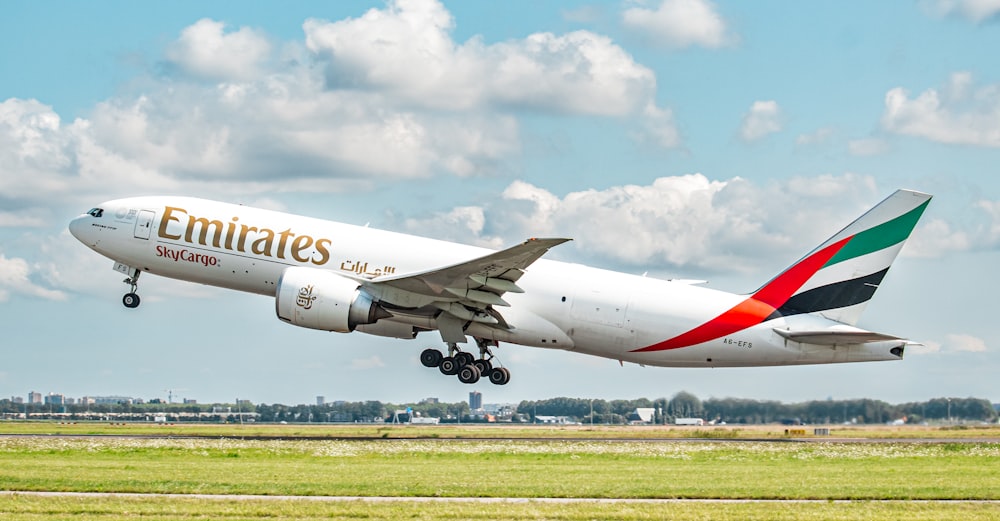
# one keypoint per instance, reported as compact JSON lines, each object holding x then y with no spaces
{"x":838,"y":278}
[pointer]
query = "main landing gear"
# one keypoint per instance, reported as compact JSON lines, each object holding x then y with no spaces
{"x":131,"y":299}
{"x":468,"y":369}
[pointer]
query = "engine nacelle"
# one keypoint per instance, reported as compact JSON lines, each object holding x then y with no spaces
{"x":320,"y":299}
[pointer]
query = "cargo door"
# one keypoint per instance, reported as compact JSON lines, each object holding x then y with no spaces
{"x":144,"y":224}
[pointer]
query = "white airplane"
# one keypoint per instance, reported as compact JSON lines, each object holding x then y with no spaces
{"x":337,"y":277}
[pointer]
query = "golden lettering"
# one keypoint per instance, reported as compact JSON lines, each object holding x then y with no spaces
{"x":302,"y":248}
{"x":300,"y":243}
{"x":242,"y":243}
{"x":167,"y":217}
{"x":230,"y":232}
{"x":284,"y":242}
{"x":263,"y":245}
{"x":203,"y":235}
{"x":323,"y":251}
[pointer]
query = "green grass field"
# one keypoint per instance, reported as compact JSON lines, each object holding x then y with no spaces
{"x":584,"y":467}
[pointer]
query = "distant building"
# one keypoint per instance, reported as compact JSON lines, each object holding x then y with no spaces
{"x":503,"y":412}
{"x":190,"y":401}
{"x":642,"y":415}
{"x":16,"y":399}
{"x":113,"y":400}
{"x":475,"y":400}
{"x":428,"y":401}
{"x":55,"y":399}
{"x":34,"y":397}
{"x":321,"y":400}
{"x":559,"y":420}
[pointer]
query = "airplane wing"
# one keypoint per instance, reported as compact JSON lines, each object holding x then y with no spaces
{"x":831,"y":337}
{"x":464,"y":292}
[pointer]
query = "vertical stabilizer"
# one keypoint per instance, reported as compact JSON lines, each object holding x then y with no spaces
{"x":838,"y":278}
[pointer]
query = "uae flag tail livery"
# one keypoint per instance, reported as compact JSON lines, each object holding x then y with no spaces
{"x":835,"y":281}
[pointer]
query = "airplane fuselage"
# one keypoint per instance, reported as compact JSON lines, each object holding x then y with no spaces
{"x":564,"y":306}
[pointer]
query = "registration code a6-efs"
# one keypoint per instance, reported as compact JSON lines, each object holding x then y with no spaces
{"x":738,"y":343}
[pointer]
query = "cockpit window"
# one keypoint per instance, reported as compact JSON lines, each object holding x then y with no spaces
{"x":96,"y":212}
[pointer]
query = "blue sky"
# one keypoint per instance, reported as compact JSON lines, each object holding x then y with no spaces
{"x":683,"y":138}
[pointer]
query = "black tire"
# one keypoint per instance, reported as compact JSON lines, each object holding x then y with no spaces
{"x":464,"y":359}
{"x":484,"y":366}
{"x":448,"y":366}
{"x":499,"y":376}
{"x":431,"y":357}
{"x":468,"y":374}
{"x":131,"y":300}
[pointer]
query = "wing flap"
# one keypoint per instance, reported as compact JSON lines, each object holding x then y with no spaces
{"x":465,"y":292}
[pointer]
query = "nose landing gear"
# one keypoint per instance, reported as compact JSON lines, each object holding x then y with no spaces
{"x":468,"y":368}
{"x":131,"y":299}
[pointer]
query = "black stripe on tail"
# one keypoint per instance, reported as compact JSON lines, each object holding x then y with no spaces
{"x":832,"y":296}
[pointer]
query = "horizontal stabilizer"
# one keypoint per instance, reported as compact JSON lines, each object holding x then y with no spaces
{"x":834,"y":337}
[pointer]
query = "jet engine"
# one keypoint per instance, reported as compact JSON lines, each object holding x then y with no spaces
{"x":320,"y":299}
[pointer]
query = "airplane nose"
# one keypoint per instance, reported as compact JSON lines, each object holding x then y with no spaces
{"x":76,"y":227}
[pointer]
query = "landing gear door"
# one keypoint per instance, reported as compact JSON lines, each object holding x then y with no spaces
{"x":144,"y":224}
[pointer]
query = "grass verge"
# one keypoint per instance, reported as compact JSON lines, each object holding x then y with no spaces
{"x":158,"y":508}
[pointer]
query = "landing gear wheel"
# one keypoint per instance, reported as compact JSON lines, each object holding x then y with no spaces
{"x":484,"y":366}
{"x":499,"y":376}
{"x":449,"y":366}
{"x":131,"y":300}
{"x":431,"y":358}
{"x":464,"y":359}
{"x":468,"y":374}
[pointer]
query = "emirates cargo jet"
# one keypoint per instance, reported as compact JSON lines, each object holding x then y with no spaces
{"x":337,"y":277}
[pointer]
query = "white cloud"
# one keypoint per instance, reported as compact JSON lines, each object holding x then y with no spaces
{"x":20,"y":220}
{"x":867,"y":147}
{"x":958,"y":114}
{"x":693,"y":223}
{"x":935,"y":238}
{"x":964,"y":343}
{"x":684,"y":221}
{"x":659,"y":128}
{"x":464,"y":224}
{"x":763,"y":118}
{"x":406,"y":51}
{"x":15,"y":277}
{"x":992,"y":208}
{"x":679,"y":24}
{"x":388,"y":95}
{"x":204,"y":50}
{"x":975,"y":10}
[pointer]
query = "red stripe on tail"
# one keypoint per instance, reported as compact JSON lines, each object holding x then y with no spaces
{"x":755,"y":308}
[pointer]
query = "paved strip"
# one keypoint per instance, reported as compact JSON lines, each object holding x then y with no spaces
{"x":425,"y":499}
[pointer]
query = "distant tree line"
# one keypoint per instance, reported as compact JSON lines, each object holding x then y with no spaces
{"x":745,"y":411}
{"x":366,"y":411}
{"x":598,"y":411}
{"x":349,"y":412}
